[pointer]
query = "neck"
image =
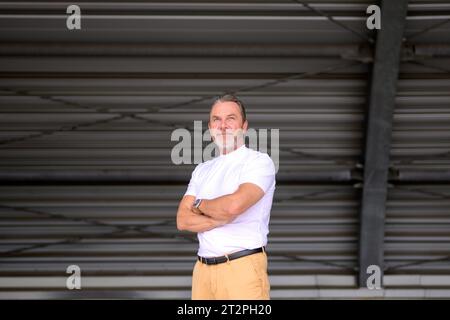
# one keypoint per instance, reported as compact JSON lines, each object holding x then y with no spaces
{"x":237,"y":146}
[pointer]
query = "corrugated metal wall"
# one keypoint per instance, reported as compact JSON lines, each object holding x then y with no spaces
{"x":85,"y":125}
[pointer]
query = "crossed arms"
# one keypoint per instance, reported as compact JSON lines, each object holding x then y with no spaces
{"x":216,"y":212}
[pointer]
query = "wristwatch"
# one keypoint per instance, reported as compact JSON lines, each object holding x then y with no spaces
{"x":197,"y":203}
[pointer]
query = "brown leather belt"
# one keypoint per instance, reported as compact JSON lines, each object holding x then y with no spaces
{"x":232,"y":256}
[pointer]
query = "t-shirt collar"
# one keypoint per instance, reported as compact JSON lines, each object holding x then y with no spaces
{"x":234,"y":153}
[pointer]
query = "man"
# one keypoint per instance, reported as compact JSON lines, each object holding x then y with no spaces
{"x":228,"y":203}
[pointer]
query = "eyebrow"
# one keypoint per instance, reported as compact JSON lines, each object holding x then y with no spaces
{"x":229,"y":115}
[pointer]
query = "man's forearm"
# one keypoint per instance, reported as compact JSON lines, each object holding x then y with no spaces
{"x":222,"y":208}
{"x":229,"y":206}
{"x":198,"y":223}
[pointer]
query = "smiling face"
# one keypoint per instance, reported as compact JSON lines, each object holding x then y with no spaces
{"x":227,"y":126}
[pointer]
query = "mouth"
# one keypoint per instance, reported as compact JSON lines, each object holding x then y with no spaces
{"x":225,"y":134}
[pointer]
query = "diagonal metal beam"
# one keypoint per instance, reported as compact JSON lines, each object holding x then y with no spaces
{"x":378,"y":136}
{"x":119,"y":229}
{"x":429,"y":66}
{"x":416,"y":263}
{"x":432,"y":27}
{"x":270,"y":83}
{"x":64,"y":128}
{"x":333,"y":20}
{"x":120,"y":116}
{"x":322,"y":262}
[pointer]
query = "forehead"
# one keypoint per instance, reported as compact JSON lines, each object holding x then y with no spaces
{"x":225,"y":108}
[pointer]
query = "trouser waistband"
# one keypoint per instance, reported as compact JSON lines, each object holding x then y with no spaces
{"x":232,"y":256}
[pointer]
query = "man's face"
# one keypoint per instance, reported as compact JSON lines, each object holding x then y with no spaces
{"x":226,"y":126}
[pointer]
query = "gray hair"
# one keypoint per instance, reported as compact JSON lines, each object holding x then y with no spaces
{"x":232,"y":98}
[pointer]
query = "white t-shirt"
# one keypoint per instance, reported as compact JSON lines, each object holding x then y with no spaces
{"x":223,"y":175}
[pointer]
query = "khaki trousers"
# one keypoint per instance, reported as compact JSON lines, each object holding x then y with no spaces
{"x":240,"y":279}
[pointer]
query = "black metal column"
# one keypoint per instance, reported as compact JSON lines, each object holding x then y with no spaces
{"x":378,"y":135}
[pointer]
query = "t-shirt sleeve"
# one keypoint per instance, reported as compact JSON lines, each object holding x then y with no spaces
{"x":260,"y":171}
{"x":192,"y":189}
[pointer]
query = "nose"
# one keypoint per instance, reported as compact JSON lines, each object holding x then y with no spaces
{"x":223,"y":125}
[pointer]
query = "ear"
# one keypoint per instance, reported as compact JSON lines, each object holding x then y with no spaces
{"x":245,"y":126}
